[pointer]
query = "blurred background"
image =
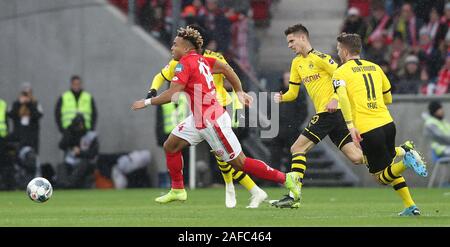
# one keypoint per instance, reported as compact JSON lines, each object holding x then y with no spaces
{"x":69,"y":71}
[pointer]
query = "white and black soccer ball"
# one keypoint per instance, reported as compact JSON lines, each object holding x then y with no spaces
{"x":39,"y":189}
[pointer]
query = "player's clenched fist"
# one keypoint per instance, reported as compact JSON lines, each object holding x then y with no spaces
{"x":277,"y":97}
{"x":244,"y":98}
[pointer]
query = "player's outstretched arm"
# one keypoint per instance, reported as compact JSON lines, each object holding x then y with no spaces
{"x":164,"y":97}
{"x":225,"y":69}
{"x":165,"y":75}
{"x":290,"y":95}
{"x":346,"y":109}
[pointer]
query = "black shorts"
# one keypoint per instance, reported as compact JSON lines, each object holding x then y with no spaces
{"x":378,"y":146}
{"x":331,"y":124}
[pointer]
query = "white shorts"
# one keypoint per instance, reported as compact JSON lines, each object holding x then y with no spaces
{"x":220,"y":137}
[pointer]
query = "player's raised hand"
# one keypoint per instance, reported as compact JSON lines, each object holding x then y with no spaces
{"x":139,"y":104}
{"x":244,"y":98}
{"x":277,"y":97}
{"x":332,"y":106}
{"x":356,"y":137}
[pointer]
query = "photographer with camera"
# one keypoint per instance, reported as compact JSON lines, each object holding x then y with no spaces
{"x":25,"y":114}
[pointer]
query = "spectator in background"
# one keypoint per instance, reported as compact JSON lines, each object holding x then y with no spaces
{"x":377,"y":51}
{"x":151,"y":18}
{"x":194,"y":13}
{"x":425,"y":45}
{"x":442,"y":86}
{"x":393,"y":78}
{"x":378,"y":25}
{"x":437,"y":129}
{"x":81,"y":149}
{"x":430,"y":57}
{"x":292,"y":117}
{"x":397,"y":53}
{"x":217,"y":25}
{"x":435,"y":28}
{"x":354,"y":23}
{"x":408,"y":25}
{"x":410,"y":80}
{"x":261,"y":12}
{"x":74,"y":101}
{"x":445,"y":19}
{"x":26,"y":113}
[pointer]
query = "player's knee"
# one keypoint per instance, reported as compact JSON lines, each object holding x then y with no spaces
{"x":356,"y":158}
{"x":238,"y":162}
{"x":169,"y":147}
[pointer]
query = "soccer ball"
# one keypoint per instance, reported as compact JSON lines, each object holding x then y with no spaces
{"x":39,"y":189}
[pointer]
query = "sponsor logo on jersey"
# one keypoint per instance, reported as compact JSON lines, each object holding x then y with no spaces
{"x":311,"y":78}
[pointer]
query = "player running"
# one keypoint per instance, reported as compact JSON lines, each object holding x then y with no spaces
{"x":224,"y":99}
{"x":209,"y":121}
{"x":314,"y":70}
{"x":364,"y":91}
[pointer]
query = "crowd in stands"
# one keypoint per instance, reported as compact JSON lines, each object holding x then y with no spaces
{"x":226,"y":21}
{"x":409,"y":39}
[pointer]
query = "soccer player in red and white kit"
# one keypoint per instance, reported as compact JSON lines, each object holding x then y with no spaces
{"x":209,"y":120}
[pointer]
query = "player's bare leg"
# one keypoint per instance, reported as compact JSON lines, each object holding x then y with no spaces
{"x":353,"y":153}
{"x":172,"y":147}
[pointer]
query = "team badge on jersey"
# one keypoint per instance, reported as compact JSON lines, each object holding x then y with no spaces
{"x":331,"y":61}
{"x":178,"y":68}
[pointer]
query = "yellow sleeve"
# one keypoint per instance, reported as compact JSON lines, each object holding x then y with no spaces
{"x":157,"y":82}
{"x":294,"y":84}
{"x":387,"y":96}
{"x":341,"y":91}
{"x":166,"y":75}
{"x":326,"y":63}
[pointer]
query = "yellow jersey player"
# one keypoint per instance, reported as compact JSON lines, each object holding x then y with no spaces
{"x":228,"y":173}
{"x":314,"y":70}
{"x":364,"y":90}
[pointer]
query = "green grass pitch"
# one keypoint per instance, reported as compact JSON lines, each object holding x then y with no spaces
{"x":206,"y":207}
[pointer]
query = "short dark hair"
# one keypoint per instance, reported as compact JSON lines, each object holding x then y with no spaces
{"x":75,"y":77}
{"x":434,"y":106}
{"x":351,"y":41}
{"x":297,"y":28}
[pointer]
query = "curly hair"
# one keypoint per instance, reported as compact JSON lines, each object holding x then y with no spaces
{"x":191,"y":35}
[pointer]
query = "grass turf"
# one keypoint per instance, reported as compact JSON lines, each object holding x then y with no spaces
{"x":206,"y":207}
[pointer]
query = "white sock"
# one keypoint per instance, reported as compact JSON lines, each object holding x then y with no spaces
{"x":255,"y":190}
{"x":229,"y":186}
